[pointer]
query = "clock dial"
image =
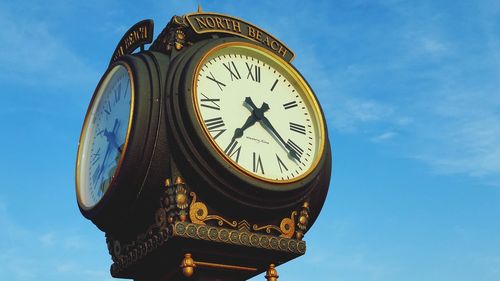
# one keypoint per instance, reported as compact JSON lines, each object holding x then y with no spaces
{"x":258,"y":113}
{"x":104,"y":136}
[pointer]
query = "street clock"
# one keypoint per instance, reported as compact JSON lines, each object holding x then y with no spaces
{"x":208,"y":150}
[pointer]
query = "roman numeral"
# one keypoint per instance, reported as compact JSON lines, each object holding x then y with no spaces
{"x":274,"y":85}
{"x":257,"y":163}
{"x":289,"y":105}
{"x":219,"y":83}
{"x":295,"y":148}
{"x":118,"y":92}
{"x":233,"y":149}
{"x":214,"y":126}
{"x":301,"y":129}
{"x":253,"y":72}
{"x":233,"y":71}
{"x":94,"y":157}
{"x":210,"y":103}
{"x":281,"y":164}
{"x":107,"y":108}
{"x":95,"y":174}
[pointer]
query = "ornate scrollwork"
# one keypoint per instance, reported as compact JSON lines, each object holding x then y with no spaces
{"x":286,"y":228}
{"x":198,"y":213}
{"x":173,"y":36}
{"x":180,"y":214}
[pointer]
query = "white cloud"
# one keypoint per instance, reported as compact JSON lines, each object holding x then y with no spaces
{"x":383,"y":137}
{"x":47,"y":239}
{"x":32,"y":53}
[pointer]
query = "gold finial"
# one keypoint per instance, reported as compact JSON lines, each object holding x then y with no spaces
{"x":272,"y":273}
{"x":188,"y":265}
{"x":179,"y":180}
{"x":199,"y":8}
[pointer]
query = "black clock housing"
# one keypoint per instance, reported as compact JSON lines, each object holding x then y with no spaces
{"x":213,"y":177}
{"x":140,"y":175}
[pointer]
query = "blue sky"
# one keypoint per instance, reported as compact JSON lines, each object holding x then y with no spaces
{"x":411,"y":95}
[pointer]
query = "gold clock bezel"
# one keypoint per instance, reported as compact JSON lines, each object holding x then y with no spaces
{"x":298,"y":80}
{"x":100,"y":87}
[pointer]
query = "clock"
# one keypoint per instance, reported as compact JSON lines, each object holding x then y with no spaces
{"x":258,"y":113}
{"x":248,"y":125}
{"x":120,"y":139}
{"x":105,"y":136}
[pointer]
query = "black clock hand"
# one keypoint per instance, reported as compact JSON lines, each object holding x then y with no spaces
{"x":111,"y":136}
{"x":261,"y":118}
{"x":238,"y":133}
{"x":252,"y":119}
{"x":268,"y":124}
{"x":111,"y":141}
{"x":101,"y":167}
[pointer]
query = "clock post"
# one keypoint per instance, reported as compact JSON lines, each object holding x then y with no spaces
{"x":204,"y":157}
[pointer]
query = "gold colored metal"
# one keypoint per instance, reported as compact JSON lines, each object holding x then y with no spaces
{"x":267,"y":228}
{"x":287,"y":226}
{"x":198,"y":213}
{"x":105,"y":78}
{"x":199,"y":8}
{"x":181,"y":197}
{"x":188,"y":265}
{"x":224,"y":266}
{"x":295,"y":78}
{"x":303,"y":221}
{"x":168,"y":182}
{"x":243,"y":225}
{"x":299,"y":235}
{"x":272,"y":273}
{"x":179,"y":180}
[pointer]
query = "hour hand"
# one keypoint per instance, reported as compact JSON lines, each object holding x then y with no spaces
{"x":238,"y":133}
{"x":248,"y":100}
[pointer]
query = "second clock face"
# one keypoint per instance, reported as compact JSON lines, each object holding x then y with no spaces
{"x":258,"y":113}
{"x":104,"y":136}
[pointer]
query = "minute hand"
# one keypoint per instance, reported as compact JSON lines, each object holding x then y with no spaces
{"x":265,"y":121}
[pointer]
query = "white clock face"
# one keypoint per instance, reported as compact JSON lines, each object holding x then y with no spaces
{"x":104,"y":136}
{"x":258,"y":113}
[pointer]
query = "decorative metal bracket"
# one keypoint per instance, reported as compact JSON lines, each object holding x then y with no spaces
{"x":188,"y":266}
{"x":184,"y":216}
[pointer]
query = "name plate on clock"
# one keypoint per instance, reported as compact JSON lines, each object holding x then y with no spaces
{"x":138,"y":35}
{"x":212,"y":22}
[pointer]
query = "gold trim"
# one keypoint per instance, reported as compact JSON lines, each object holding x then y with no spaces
{"x":223,"y":266}
{"x":199,"y":218}
{"x":272,"y":273}
{"x":188,"y":265}
{"x":105,"y":79}
{"x":287,"y":226}
{"x":301,"y":83}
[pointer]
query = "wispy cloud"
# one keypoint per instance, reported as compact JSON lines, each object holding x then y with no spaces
{"x":383,"y":137}
{"x":436,"y":91}
{"x":27,"y":257}
{"x":32,"y":53}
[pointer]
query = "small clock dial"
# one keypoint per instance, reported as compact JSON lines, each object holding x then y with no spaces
{"x":258,"y":113}
{"x":104,"y":136}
